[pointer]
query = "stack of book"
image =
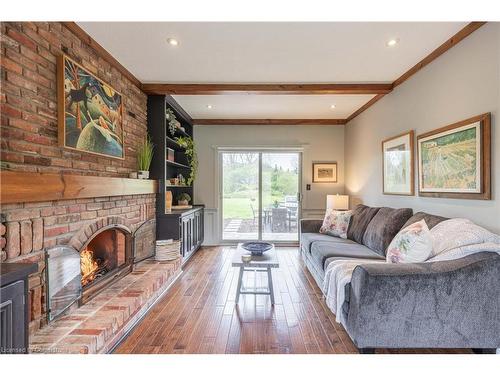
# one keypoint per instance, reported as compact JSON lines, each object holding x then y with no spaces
{"x":167,"y":250}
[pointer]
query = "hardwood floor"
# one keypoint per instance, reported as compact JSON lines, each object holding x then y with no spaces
{"x":199,"y":315}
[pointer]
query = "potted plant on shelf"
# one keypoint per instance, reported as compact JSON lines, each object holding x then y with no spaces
{"x":144,"y":157}
{"x":188,"y":144}
{"x":183,"y":199}
{"x":173,"y":124}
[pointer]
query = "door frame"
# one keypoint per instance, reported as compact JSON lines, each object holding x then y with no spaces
{"x":220,"y":190}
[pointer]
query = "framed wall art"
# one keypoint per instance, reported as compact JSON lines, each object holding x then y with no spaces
{"x":90,"y":112}
{"x":325,"y":172}
{"x":397,"y":170}
{"x":455,"y":161}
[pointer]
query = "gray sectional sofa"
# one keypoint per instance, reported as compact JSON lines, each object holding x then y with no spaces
{"x":447,"y":304}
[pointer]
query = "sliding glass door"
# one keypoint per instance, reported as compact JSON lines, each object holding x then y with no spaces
{"x":260,"y":195}
{"x":280,"y":196}
{"x":240,"y":196}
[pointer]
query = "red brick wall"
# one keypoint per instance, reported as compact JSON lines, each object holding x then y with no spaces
{"x":29,"y":228}
{"x":28,"y":99}
{"x":29,"y":102}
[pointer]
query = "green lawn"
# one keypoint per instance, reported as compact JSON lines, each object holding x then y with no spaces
{"x":239,"y":208}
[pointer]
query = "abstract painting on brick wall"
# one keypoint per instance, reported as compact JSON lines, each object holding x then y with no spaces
{"x":90,"y":111}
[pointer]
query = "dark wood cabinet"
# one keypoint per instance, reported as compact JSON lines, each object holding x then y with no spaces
{"x":183,"y":225}
{"x":14,"y":307}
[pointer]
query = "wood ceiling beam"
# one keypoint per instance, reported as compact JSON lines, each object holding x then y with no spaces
{"x":379,"y":89}
{"x":453,"y":41}
{"x":365,"y":106}
{"x":266,"y":89}
{"x":290,"y":121}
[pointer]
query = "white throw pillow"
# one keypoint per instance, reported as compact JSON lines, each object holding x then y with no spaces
{"x":456,"y":238}
{"x":455,"y":233}
{"x":412,"y":244}
{"x":336,"y":223}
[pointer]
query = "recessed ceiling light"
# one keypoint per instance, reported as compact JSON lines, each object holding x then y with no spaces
{"x":209,"y":106}
{"x":173,"y":42}
{"x":392,"y":42}
{"x":333,"y":106}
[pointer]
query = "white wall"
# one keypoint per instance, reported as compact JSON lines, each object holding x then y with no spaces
{"x":462,"y":83}
{"x":319,"y":143}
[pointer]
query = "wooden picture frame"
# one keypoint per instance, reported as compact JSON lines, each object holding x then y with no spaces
{"x":325,"y":172}
{"x":470,"y":139}
{"x":90,"y":112}
{"x":398,"y":161}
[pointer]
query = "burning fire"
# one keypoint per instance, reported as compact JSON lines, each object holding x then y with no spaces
{"x":88,"y":266}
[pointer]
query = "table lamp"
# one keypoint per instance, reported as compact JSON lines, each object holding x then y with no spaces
{"x":337,"y":202}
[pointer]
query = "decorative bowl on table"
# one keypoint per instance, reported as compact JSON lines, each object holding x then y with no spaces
{"x":257,"y":248}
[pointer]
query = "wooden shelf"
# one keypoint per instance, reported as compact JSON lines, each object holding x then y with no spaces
{"x":178,"y":165}
{"x":177,"y":132}
{"x":182,"y":133}
{"x":20,"y":187}
{"x":172,"y":143}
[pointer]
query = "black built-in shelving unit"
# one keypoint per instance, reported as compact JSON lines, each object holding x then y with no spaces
{"x":184,"y":225}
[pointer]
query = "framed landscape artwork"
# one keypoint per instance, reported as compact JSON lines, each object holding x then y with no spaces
{"x":89,"y":111}
{"x":397,"y":170}
{"x":325,"y":172}
{"x":455,"y":161}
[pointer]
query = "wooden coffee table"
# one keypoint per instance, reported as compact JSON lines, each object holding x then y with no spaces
{"x":264,"y":263}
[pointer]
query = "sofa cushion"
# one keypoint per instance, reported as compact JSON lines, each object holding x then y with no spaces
{"x":321,"y":251}
{"x":384,"y":226}
{"x":316,"y":270}
{"x":430,"y":220}
{"x":306,"y":239}
{"x":361,"y":217}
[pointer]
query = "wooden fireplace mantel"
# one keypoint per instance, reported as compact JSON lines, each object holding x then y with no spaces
{"x":17,"y":187}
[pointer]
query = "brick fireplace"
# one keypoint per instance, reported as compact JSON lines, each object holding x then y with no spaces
{"x":60,"y":202}
{"x":32,"y":228}
{"x":29,"y":144}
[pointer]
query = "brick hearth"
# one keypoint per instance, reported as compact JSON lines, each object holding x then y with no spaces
{"x":101,"y":323}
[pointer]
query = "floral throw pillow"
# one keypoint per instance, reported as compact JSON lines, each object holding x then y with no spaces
{"x":412,"y":244}
{"x":336,"y":223}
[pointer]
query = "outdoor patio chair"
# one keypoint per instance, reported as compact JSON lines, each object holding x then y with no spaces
{"x":292,"y":217}
{"x":255,"y":213}
{"x":279,"y":219}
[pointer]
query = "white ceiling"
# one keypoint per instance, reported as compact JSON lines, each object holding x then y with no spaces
{"x":334,"y":52}
{"x":269,"y":52}
{"x":271,"y":106}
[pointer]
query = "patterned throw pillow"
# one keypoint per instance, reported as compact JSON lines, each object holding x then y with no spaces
{"x":412,"y":244}
{"x":336,"y":223}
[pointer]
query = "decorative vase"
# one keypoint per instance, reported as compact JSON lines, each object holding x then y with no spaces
{"x":183,"y":203}
{"x":143,"y":175}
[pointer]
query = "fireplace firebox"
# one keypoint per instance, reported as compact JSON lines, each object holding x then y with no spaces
{"x":106,"y":256}
{"x":100,"y":253}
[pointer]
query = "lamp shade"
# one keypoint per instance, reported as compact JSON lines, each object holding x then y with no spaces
{"x":337,"y":202}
